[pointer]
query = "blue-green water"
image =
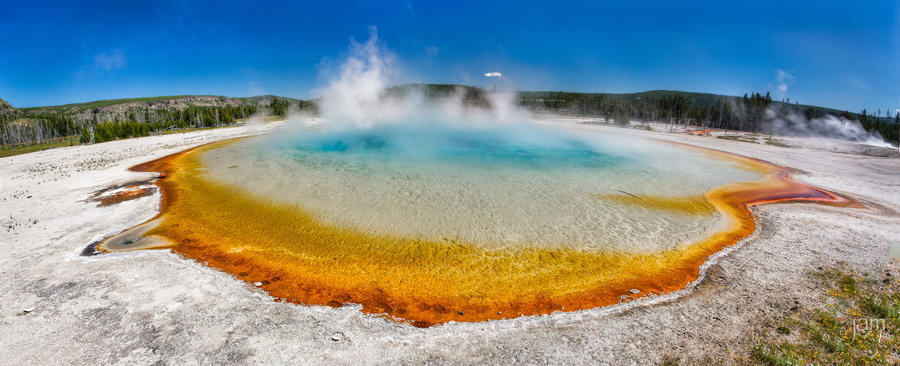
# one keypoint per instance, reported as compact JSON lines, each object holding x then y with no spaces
{"x":526,"y":148}
{"x":497,"y":186}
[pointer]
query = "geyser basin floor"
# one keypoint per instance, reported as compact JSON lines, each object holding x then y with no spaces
{"x":297,"y":257}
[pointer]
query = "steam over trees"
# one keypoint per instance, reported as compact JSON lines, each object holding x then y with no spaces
{"x":753,"y":112}
{"x":92,"y":123}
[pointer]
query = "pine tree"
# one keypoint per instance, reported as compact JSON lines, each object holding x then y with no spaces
{"x":85,"y":136}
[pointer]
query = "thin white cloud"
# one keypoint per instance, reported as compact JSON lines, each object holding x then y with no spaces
{"x":493,"y":74}
{"x":432,"y":50}
{"x":113,"y":60}
{"x":858,"y":84}
{"x":103,"y":62}
{"x":784,"y":80}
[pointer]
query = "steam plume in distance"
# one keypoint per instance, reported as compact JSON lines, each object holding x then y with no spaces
{"x":829,"y":126}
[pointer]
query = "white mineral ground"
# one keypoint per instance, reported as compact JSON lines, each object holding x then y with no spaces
{"x":57,"y":307}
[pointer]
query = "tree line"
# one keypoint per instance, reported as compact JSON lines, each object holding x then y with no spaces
{"x":26,"y":128}
{"x":889,"y":130}
{"x":753,"y":112}
{"x":16,"y":129}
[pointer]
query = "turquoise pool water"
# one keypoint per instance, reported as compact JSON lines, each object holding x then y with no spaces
{"x":497,"y":186}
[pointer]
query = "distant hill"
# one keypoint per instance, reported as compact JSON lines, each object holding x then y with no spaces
{"x":696,"y":100}
{"x":751,"y":112}
{"x":105,"y":120}
{"x":580,"y":103}
{"x":6,"y":109}
{"x":4,"y":106}
{"x":754,"y":112}
{"x":175,"y":102}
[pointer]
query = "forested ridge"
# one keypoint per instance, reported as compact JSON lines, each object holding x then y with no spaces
{"x":123,"y":118}
{"x":752,"y":112}
{"x":106,"y":120}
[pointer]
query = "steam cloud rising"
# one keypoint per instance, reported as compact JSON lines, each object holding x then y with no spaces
{"x":829,"y":126}
{"x":358,"y":95}
{"x":360,"y":110}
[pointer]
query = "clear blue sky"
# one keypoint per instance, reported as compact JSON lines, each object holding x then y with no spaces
{"x":841,"y":54}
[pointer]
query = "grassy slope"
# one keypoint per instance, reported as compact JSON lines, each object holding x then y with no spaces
{"x":79,"y":107}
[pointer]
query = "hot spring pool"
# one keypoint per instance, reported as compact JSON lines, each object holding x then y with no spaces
{"x":485,"y":187}
{"x":433,"y":223}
